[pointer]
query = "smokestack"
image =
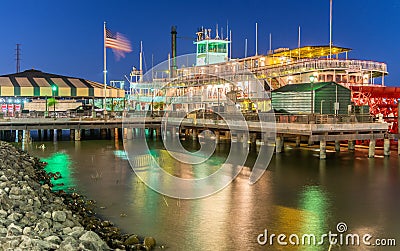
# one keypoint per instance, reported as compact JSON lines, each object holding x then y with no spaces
{"x":173,"y":51}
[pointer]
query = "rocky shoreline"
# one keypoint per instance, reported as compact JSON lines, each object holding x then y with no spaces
{"x":32,"y":217}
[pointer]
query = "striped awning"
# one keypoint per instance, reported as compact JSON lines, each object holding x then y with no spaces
{"x":34,"y":83}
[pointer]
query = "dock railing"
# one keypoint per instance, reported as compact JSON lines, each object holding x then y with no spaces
{"x":281,"y":118}
{"x":209,"y":115}
{"x":323,"y":118}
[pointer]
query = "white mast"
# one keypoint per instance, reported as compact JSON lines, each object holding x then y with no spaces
{"x":169,"y":65}
{"x":270,"y":43}
{"x":256,"y":39}
{"x":245,"y":48}
{"x":227,"y":29}
{"x":141,"y":62}
{"x":330,"y":31}
{"x":152,"y":66}
{"x":230,"y":44}
{"x":298,"y":44}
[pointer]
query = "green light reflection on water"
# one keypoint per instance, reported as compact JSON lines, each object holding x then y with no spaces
{"x":315,"y":201}
{"x":60,"y":162}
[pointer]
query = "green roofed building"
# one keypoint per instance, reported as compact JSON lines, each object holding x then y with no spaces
{"x":34,"y":83}
{"x":318,"y":98}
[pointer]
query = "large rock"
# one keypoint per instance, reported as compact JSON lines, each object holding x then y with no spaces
{"x":41,"y":226}
{"x":44,"y":245}
{"x":27,"y":230}
{"x":15,"y":190}
{"x":53,"y":239}
{"x":14,"y":216}
{"x":59,"y":216}
{"x":149,"y":242}
{"x":132,"y":240}
{"x":26,"y":243}
{"x":69,"y":244}
{"x":13,"y":229}
{"x":3,"y":231}
{"x":94,"y":239}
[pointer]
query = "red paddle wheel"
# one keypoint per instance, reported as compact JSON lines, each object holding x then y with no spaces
{"x":383,"y":102}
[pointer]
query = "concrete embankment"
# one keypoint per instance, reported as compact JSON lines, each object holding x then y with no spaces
{"x":32,"y":217}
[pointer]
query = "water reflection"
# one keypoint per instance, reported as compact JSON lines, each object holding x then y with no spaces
{"x":60,"y":162}
{"x":298,"y":194}
{"x":315,"y":202}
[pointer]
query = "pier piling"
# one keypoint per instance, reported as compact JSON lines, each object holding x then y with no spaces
{"x":72,"y":134}
{"x":310,"y":142}
{"x":51,"y":134}
{"x":129,"y":133}
{"x":216,"y":136}
{"x":115,"y":133}
{"x":77,"y":135}
{"x":194,"y":134}
{"x":298,"y":141}
{"x":59,"y":134}
{"x":279,"y":144}
{"x":20,"y":135}
{"x":125,"y":133}
{"x":103,"y":133}
{"x":322,"y":149}
{"x":351,"y":144}
{"x":371,"y":149}
{"x":386,"y":147}
{"x":337,"y":145}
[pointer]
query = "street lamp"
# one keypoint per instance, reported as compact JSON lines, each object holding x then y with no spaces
{"x":218,"y":97}
{"x":152,"y":100}
{"x":54,"y":90}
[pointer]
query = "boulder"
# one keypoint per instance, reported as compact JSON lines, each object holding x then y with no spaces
{"x":93,"y":238}
{"x":132,"y":240}
{"x":59,"y":216}
{"x":149,"y":242}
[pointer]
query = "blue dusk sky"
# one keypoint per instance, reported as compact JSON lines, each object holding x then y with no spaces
{"x":66,"y":37}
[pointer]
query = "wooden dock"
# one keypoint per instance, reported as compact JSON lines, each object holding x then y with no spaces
{"x":293,"y":128}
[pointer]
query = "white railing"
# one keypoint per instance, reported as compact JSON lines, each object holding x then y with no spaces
{"x":284,"y":69}
{"x":325,"y":64}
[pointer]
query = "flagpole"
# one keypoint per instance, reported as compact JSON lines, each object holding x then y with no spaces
{"x":330,"y":29}
{"x":105,"y":70}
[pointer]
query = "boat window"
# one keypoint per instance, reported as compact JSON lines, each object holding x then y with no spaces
{"x":201,"y":48}
{"x":217,"y":47}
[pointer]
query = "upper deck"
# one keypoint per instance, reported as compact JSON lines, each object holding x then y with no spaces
{"x":296,"y":66}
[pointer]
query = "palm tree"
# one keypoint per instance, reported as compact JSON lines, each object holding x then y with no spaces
{"x":52,"y":102}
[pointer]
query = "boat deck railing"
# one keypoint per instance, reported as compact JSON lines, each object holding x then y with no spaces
{"x":296,"y":66}
{"x":323,"y":64}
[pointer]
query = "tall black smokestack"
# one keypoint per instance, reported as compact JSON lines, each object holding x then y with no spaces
{"x":173,"y":50}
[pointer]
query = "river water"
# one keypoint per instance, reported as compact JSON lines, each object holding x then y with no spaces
{"x":298,"y":194}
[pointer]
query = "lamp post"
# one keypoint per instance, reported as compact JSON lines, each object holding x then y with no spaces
{"x":152,"y":100}
{"x":218,"y":97}
{"x":54,"y":89}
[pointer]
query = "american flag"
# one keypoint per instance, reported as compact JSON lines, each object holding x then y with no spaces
{"x":118,"y":42}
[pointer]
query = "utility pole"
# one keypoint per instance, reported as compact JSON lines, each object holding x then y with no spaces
{"x":18,"y":58}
